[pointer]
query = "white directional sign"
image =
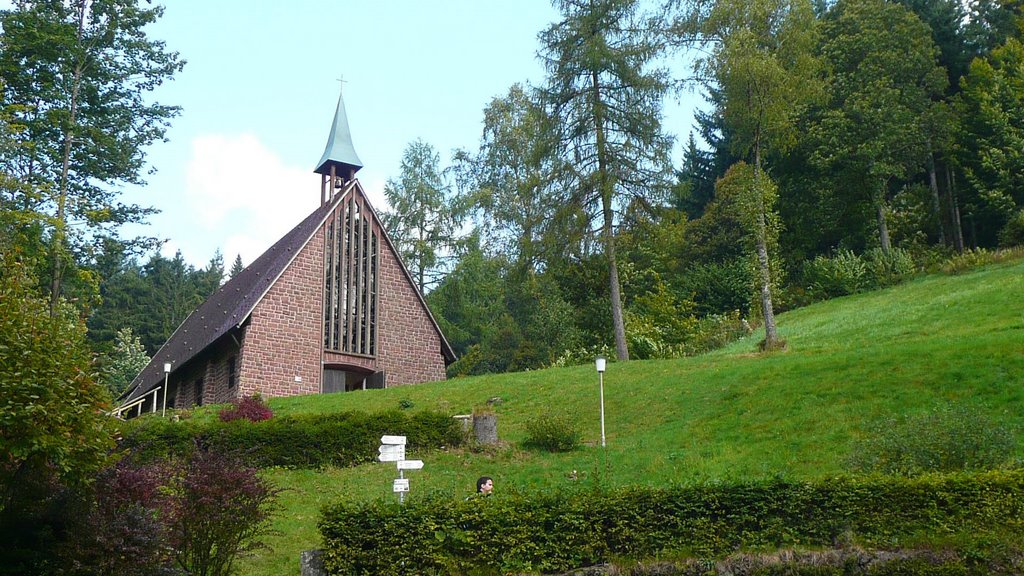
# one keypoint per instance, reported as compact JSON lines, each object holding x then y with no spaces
{"x":410,"y":464}
{"x":401,"y":485}
{"x":391,"y":452}
{"x":392,"y":439}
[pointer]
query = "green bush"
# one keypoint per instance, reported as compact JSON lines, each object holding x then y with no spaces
{"x":559,"y":531}
{"x":840,"y":275}
{"x":889,"y":268}
{"x":945,"y":439}
{"x":554,"y":433}
{"x":715,"y":331}
{"x":1012,"y":233}
{"x":967,"y":260}
{"x":719,"y":287}
{"x":303,"y":441}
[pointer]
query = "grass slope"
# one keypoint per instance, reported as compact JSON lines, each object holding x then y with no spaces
{"x":727,"y":415}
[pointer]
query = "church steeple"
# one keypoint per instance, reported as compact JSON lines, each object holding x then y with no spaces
{"x":339,"y":163}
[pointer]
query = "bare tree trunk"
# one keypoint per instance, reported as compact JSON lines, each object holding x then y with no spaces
{"x":606,"y":189}
{"x":771,"y":334}
{"x":933,"y":184}
{"x":883,"y":228}
{"x":60,"y":222}
{"x":954,"y":211}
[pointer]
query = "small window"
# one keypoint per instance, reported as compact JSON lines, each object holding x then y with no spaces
{"x":199,"y":391}
{"x":231,"y":372}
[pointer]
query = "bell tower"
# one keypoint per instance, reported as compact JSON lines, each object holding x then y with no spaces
{"x":339,"y":164}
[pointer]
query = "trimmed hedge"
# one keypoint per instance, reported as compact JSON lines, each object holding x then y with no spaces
{"x":303,"y":441}
{"x":554,"y":532}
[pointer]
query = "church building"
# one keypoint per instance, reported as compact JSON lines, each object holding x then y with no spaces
{"x":330,"y":307}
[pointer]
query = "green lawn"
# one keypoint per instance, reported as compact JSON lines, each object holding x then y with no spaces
{"x":731,"y":414}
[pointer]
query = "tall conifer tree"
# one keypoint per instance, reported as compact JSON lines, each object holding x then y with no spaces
{"x":604,"y":93}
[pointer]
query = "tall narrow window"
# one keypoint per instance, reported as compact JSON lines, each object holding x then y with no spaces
{"x":352,"y":238}
{"x":200,"y":388}
{"x":231,"y":372}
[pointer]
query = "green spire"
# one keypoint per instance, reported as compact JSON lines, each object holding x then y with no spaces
{"x":339,"y":148}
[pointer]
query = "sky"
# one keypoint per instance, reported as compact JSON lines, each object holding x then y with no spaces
{"x":259,"y":91}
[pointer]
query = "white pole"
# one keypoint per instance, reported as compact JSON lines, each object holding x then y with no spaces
{"x":599,"y":363}
{"x":167,"y":373}
{"x":601,"y":377}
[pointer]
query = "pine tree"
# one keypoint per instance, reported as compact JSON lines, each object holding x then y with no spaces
{"x":604,"y":93}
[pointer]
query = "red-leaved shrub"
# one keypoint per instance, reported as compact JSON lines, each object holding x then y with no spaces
{"x":251,"y":408}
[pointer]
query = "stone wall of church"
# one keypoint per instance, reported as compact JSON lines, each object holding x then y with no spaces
{"x":281,"y":352}
{"x":409,"y":345}
{"x":212,"y":369}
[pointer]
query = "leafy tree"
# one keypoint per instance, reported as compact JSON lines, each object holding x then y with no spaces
{"x":507,"y":179}
{"x":884,"y":85}
{"x":53,"y":432}
{"x":991,"y":104}
{"x":124,"y":363}
{"x":604,"y":92}
{"x":78,"y":71}
{"x":421,"y":219}
{"x":764,"y":64}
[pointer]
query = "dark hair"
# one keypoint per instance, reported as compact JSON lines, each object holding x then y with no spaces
{"x":480,"y":483}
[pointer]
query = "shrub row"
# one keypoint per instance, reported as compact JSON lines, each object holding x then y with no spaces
{"x":553,"y":532}
{"x":302,"y":441}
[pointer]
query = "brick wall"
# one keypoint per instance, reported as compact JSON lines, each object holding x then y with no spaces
{"x":409,"y":345}
{"x":281,"y":352}
{"x":212,"y":367}
{"x":284,"y":338}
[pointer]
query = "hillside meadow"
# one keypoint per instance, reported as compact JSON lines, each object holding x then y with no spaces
{"x":729,"y":415}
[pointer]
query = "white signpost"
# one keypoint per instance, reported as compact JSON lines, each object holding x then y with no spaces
{"x":391,"y":453}
{"x":392,"y":449}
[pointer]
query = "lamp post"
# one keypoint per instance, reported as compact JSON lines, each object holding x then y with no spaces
{"x":167,"y":374}
{"x":600,"y":363}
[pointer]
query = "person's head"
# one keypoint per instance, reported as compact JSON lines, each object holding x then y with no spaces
{"x":484,"y":485}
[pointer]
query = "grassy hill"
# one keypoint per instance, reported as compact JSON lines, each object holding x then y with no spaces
{"x":731,"y":414}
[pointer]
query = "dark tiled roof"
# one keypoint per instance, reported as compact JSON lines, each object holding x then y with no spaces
{"x":229,"y":306}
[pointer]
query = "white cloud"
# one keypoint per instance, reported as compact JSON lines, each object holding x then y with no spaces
{"x":243,"y":195}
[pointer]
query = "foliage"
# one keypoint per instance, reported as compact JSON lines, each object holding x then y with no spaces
{"x":944,"y":439}
{"x":559,"y":531}
{"x":124,"y":363}
{"x":1012,"y":233}
{"x":847,"y":273}
{"x":719,"y":287}
{"x":883,"y":87}
{"x":828,"y":277}
{"x":220,"y":509}
{"x":992,"y":105}
{"x":504,"y":186}
{"x":79,"y":72}
{"x":251,"y":408}
{"x":552,"y":432}
{"x":152,"y":299}
{"x":123,"y":532}
{"x":52,"y":426}
{"x":603,"y":91}
{"x":421,"y":220}
{"x":306,"y":441}
{"x":889,"y":268}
